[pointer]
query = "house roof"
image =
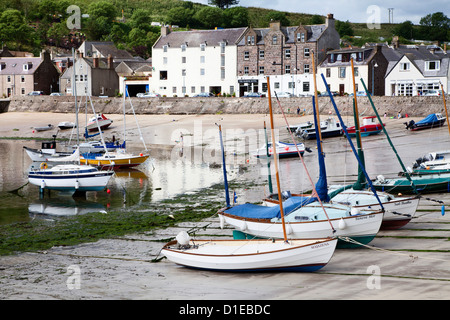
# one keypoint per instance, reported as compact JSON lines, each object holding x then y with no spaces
{"x":196,"y":37}
{"x":14,"y":65}
{"x":419,"y":55}
{"x":314,"y":33}
{"x":129,"y":67}
{"x":105,"y":48}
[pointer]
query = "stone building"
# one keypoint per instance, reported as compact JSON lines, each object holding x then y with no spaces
{"x":285,"y":54}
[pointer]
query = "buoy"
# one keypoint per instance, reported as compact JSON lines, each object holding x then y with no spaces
{"x":286,"y":148}
{"x":183,"y":238}
{"x":141,"y":154}
{"x":342,"y":224}
{"x":108,"y":191}
{"x":443,"y":210}
{"x":43,"y":166}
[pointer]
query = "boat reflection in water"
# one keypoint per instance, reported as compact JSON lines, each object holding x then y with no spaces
{"x":64,"y":206}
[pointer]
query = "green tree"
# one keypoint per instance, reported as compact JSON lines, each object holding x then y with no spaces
{"x":236,"y":17}
{"x":14,"y":30}
{"x":180,"y":16}
{"x":101,"y":17}
{"x":435,"y":26}
{"x":316,"y":19}
{"x":141,"y":19}
{"x":344,"y":28}
{"x":405,"y":30}
{"x":276,"y":16}
{"x":222,"y":4}
{"x":209,"y":17}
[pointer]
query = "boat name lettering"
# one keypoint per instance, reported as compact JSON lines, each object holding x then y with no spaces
{"x":324,"y":244}
{"x":403,"y":202}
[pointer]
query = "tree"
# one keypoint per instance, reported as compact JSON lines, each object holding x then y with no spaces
{"x":236,"y":17}
{"x":180,"y":16}
{"x":277,"y":16}
{"x":101,"y":17}
{"x":209,"y":17}
{"x":14,"y":29}
{"x":222,"y":4}
{"x":405,"y":30}
{"x":344,"y":28}
{"x":435,"y":26}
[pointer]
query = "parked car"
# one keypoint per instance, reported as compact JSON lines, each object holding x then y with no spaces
{"x":35,"y":93}
{"x":204,"y":94}
{"x":432,"y":93}
{"x":284,"y":94}
{"x":325,"y":94}
{"x":254,"y":95}
{"x":56,"y":94}
{"x":359,"y":94}
{"x":148,"y":95}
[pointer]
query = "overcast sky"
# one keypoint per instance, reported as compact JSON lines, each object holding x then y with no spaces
{"x":355,"y":10}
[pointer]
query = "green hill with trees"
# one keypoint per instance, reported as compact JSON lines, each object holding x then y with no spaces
{"x":30,"y":25}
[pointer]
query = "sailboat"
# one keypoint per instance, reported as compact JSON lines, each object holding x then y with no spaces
{"x":306,"y":216}
{"x":71,"y":177}
{"x":120,"y":158}
{"x":251,"y":255}
{"x":398,"y":210}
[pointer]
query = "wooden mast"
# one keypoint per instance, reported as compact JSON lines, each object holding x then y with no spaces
{"x":280,"y":199}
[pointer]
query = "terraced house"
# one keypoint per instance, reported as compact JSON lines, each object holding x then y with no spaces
{"x":285,"y":53}
{"x":237,"y":60}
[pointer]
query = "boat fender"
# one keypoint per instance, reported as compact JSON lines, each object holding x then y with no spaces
{"x":183,"y":238}
{"x":44,"y":166}
{"x":222,"y":221}
{"x":77,"y":184}
{"x":342,"y":224}
{"x":42,"y":184}
{"x":289,"y":229}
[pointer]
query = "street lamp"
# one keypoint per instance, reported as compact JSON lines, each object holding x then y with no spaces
{"x":374,"y":65}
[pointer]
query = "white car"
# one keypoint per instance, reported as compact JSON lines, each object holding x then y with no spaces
{"x":284,"y":95}
{"x":148,"y":95}
{"x":432,"y":93}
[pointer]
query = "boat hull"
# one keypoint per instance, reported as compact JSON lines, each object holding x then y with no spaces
{"x":116,"y":163}
{"x":71,"y":182}
{"x":362,"y":228}
{"x":253,"y":255}
{"x":365,"y":130}
{"x":427,"y":183}
{"x":39,"y":156}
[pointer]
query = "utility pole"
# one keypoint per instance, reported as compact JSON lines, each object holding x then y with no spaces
{"x":391,"y":15}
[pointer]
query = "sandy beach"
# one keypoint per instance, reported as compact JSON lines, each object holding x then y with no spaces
{"x":412,"y":263}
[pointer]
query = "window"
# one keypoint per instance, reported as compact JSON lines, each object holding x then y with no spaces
{"x":275,"y":40}
{"x":231,"y":89}
{"x":192,"y":89}
{"x":202,"y":59}
{"x":328,"y":72}
{"x":305,"y":86}
{"x":174,"y":90}
{"x":306,"y":52}
{"x":222,"y":47}
{"x":291,"y":85}
{"x":264,"y":87}
{"x":202,"y":47}
{"x":306,"y":68}
{"x":276,"y":85}
{"x":356,"y":72}
{"x":163,"y":75}
{"x":164,"y":60}
{"x":287,"y":69}
{"x":183,"y":72}
{"x":261,"y":54}
{"x":432,"y":65}
{"x":183,"y":48}
{"x":222,"y":73}
{"x":22,"y":79}
{"x":287,"y":53}
{"x":261,"y":70}
{"x":183,"y":59}
{"x":342,"y":72}
{"x":250,"y":40}
{"x":222,"y":60}
{"x":23,"y":91}
{"x":246,"y":55}
{"x":165,"y":48}
{"x":246,"y":70}
{"x":202,"y":72}
{"x":202,"y":89}
{"x":8,"y":79}
{"x":404,"y":66}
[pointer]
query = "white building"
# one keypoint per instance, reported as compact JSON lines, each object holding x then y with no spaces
{"x":187,"y":63}
{"x":418,"y":69}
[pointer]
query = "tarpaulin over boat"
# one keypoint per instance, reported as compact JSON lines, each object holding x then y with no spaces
{"x":249,"y":210}
{"x":429,"y":119}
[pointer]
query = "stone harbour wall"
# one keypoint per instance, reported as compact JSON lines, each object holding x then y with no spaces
{"x":413,"y":106}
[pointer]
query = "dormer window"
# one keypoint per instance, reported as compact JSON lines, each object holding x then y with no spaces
{"x":300,"y":36}
{"x":27,"y":66}
{"x":432,"y":65}
{"x":250,"y":40}
{"x":2,"y":66}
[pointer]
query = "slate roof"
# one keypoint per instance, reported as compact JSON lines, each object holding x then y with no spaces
{"x":196,"y":37}
{"x":14,"y":65}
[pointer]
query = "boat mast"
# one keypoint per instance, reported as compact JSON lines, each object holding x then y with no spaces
{"x":268,"y":160}
{"x":74,"y":90}
{"x":445,"y":106}
{"x":360,"y":182}
{"x":280,"y":199}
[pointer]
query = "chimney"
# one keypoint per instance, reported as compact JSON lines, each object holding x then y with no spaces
{"x":275,"y":25}
{"x":110,"y":62}
{"x":329,"y":21}
{"x":95,"y":61}
{"x":395,"y":42}
{"x":165,"y":31}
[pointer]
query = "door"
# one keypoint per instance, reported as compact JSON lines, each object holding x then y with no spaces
{"x":341,"y":89}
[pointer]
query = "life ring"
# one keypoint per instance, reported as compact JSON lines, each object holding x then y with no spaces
{"x":44,"y":165}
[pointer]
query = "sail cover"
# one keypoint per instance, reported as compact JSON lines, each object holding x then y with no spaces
{"x":254,"y":211}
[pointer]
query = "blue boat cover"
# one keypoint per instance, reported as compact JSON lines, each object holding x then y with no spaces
{"x":249,"y":210}
{"x":428,"y":119}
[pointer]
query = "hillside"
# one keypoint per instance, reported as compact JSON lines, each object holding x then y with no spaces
{"x":35,"y":24}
